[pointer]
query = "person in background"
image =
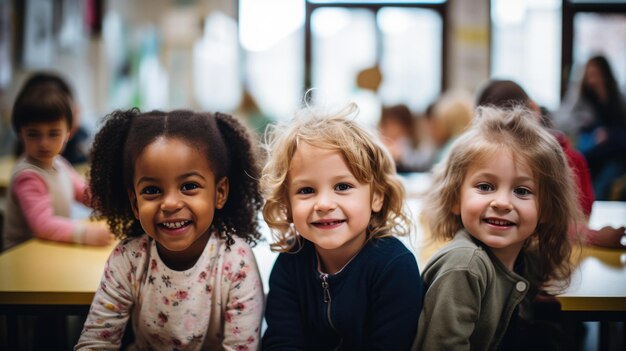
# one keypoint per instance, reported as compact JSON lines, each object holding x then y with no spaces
{"x":76,"y":149}
{"x":451,"y":114}
{"x":505,"y":198}
{"x":334,"y":204}
{"x":398,"y":132}
{"x":43,"y":184}
{"x":506,"y":94}
{"x":180,"y":188}
{"x":596,"y":118}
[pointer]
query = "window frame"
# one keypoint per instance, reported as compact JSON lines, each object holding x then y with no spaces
{"x":440,"y":8}
{"x":569,"y":11}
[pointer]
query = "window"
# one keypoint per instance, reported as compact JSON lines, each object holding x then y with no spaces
{"x":403,"y":43}
{"x":526,"y":46}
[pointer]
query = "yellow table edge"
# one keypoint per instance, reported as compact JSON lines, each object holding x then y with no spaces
{"x":46,"y":298}
{"x":608,"y":304}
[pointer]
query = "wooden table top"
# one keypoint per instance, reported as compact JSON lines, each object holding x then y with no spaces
{"x":40,"y":272}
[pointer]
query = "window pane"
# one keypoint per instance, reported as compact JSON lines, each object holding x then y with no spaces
{"x":376,"y":1}
{"x":526,"y":46}
{"x":271,"y":34}
{"x":411,"y":60}
{"x":343,"y":44}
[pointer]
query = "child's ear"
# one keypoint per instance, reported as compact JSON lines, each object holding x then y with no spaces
{"x":377,"y":201}
{"x":221,"y":193}
{"x":133,"y":202}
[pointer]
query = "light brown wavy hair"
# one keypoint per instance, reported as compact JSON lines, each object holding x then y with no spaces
{"x":514,"y":130}
{"x":365,"y":156}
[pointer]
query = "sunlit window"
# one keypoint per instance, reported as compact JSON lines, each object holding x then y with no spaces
{"x":343,"y":43}
{"x":411,"y":56}
{"x":271,"y":33}
{"x":406,"y":43}
{"x":216,"y":80}
{"x":526,"y":46}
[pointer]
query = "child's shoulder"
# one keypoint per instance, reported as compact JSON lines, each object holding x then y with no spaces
{"x":388,"y":247}
{"x":135,"y":247}
{"x":239,"y":246}
{"x":462,"y":253}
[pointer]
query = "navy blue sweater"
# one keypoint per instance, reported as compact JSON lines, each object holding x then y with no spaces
{"x":372,"y":304}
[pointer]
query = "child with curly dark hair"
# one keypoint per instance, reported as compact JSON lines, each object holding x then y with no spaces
{"x":180,"y":189}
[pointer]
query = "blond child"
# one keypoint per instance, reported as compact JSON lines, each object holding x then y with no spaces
{"x":334,"y":204}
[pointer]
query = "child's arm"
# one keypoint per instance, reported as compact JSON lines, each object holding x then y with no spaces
{"x":451,"y":309}
{"x":284,"y":324}
{"x":111,"y":306}
{"x":36,"y":205}
{"x":244,"y":312}
{"x":396,"y":306}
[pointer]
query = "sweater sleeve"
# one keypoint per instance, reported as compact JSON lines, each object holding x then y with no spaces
{"x":282,"y":313}
{"x":451,"y":309}
{"x":111,"y":305}
{"x":244,"y":310}
{"x":35,"y":203}
{"x":397,"y":298}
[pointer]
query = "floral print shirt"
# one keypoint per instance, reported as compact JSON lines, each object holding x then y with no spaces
{"x":215,"y":305}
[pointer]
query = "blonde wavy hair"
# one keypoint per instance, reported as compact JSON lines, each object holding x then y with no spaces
{"x":514,"y":130}
{"x":365,"y":156}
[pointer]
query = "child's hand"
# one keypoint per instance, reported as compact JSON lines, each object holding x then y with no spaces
{"x":98,"y":234}
{"x":606,"y":237}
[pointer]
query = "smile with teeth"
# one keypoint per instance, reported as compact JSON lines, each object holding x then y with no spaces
{"x":328,"y":223}
{"x":175,"y":225}
{"x":499,"y":222}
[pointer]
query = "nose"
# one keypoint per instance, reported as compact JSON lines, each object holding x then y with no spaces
{"x":325,"y":202}
{"x":502,"y":201}
{"x":171,"y":202}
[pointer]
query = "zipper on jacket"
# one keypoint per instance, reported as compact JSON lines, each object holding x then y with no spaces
{"x":327,"y":300}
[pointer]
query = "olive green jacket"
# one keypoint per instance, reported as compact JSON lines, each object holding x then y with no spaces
{"x":469,"y":300}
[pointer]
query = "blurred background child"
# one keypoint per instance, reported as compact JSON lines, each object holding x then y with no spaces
{"x":451,"y":114}
{"x":76,"y":149}
{"x":43,"y":184}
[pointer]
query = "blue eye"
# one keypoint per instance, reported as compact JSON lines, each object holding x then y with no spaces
{"x":343,"y":187}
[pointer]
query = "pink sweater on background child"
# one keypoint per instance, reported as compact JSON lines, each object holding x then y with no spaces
{"x":39,"y":203}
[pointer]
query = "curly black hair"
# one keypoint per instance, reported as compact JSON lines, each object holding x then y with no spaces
{"x":225,"y":142}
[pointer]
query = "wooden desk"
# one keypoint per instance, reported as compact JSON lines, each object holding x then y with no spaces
{"x":40,"y":272}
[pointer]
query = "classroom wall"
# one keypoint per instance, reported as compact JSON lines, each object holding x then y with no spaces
{"x":87,"y":63}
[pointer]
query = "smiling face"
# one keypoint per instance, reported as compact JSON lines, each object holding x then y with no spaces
{"x":329,"y":206}
{"x":43,"y":141}
{"x":498,"y":204}
{"x":175,"y":198}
